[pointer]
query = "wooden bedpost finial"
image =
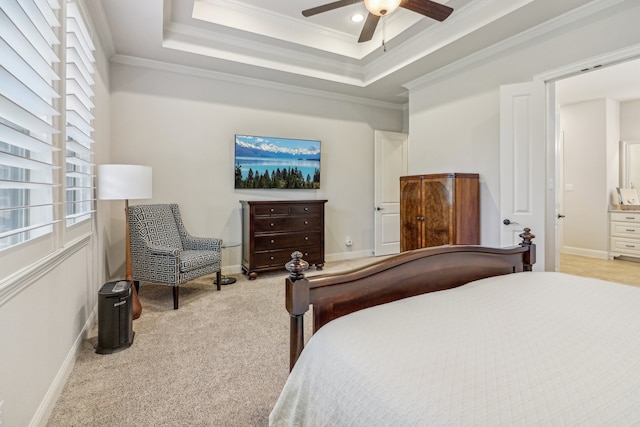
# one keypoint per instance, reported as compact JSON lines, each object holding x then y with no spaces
{"x":530,"y":257}
{"x":526,"y":237}
{"x":296,"y":266}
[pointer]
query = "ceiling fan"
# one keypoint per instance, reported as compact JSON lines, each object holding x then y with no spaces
{"x":379,"y":8}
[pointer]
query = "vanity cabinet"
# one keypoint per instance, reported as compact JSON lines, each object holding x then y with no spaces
{"x":439,"y":209}
{"x":625,"y":233}
{"x":272,"y":230}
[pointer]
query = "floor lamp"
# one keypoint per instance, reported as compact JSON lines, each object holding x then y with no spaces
{"x":125,"y":182}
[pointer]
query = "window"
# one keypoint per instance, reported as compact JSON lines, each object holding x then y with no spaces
{"x":79,"y":84}
{"x":27,"y":113}
{"x":46,"y":169}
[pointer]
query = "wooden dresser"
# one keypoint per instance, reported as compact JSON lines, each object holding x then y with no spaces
{"x":272,"y":230}
{"x":439,"y":209}
{"x":624,"y":234}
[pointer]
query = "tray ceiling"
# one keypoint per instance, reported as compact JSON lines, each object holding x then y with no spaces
{"x":245,"y":39}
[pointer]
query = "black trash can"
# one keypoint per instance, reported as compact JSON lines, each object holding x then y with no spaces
{"x":115,"y":304}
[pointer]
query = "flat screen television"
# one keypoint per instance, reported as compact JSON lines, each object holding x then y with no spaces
{"x":276,"y":163}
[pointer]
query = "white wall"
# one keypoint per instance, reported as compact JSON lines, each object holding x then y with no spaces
{"x":612,"y":152}
{"x":630,"y":120}
{"x":454,"y":117}
{"x":630,"y":131}
{"x":184,"y":125}
{"x":590,"y":138}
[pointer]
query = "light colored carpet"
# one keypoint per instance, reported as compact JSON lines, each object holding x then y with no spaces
{"x":220,"y":360}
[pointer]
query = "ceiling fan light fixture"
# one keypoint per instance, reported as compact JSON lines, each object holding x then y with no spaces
{"x":381,"y":7}
{"x":358,"y":17}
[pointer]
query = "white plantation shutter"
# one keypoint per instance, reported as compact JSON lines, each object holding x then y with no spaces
{"x":79,"y":93}
{"x":27,"y":111}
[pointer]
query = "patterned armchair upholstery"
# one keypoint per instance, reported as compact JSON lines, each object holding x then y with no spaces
{"x":162,"y":251}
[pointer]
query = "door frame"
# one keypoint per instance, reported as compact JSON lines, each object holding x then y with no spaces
{"x":552,"y":144}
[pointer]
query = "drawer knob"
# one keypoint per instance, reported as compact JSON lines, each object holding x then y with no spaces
{"x":271,"y":224}
{"x":273,"y":241}
{"x":272,"y":258}
{"x":306,"y":237}
{"x":306,"y":222}
{"x":306,"y":209}
{"x":271,"y":209}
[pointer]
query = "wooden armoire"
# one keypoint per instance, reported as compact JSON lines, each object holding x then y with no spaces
{"x":439,"y":209}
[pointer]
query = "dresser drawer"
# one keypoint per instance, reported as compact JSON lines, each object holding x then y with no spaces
{"x":286,"y":223}
{"x":287,"y":240}
{"x":625,"y":246}
{"x":625,"y":229}
{"x":625,"y":217}
{"x":275,"y":209}
{"x":281,"y":257}
{"x":309,"y":209}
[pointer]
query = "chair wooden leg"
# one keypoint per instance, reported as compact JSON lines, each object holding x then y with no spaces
{"x":176,"y":292}
{"x":219,"y":279}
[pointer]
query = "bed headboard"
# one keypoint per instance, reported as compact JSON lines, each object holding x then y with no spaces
{"x":400,"y":276}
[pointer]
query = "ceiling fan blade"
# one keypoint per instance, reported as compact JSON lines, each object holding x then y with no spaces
{"x":369,"y":28}
{"x":329,"y":6}
{"x":428,"y":8}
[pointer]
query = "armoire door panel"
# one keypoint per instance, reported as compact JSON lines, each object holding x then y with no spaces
{"x":437,"y":212}
{"x":439,"y":209}
{"x":410,"y":214}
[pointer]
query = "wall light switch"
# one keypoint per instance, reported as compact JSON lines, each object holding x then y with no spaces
{"x":568,"y":187}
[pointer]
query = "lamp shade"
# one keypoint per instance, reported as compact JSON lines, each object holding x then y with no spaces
{"x":124,"y":182}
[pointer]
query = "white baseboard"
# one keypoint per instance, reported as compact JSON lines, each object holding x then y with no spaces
{"x":340,"y":256}
{"x":41,"y":417}
{"x":590,"y":253}
{"x":232,"y":269}
{"x":237,"y":269}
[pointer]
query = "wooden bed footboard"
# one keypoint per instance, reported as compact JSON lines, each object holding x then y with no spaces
{"x":400,"y":276}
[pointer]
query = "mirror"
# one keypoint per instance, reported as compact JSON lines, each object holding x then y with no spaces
{"x":630,"y":164}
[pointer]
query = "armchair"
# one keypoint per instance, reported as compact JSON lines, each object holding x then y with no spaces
{"x":162,"y":251}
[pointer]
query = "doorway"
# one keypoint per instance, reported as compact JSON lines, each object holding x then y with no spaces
{"x":600,"y":86}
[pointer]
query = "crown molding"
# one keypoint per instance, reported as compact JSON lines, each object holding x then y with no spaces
{"x":101,"y":25}
{"x":248,"y":81}
{"x":236,"y":15}
{"x":610,"y":58}
{"x":512,"y":42}
{"x":461,"y":23}
{"x":267,"y":23}
{"x":203,"y":42}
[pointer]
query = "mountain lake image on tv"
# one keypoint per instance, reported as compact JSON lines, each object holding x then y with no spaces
{"x":268,"y":162}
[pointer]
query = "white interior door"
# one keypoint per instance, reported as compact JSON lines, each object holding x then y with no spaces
{"x":522,"y":164}
{"x":391,"y":162}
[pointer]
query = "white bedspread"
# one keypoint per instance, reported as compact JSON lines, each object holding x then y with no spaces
{"x":522,"y":349}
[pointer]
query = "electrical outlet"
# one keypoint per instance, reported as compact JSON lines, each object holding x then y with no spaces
{"x":348,"y":241}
